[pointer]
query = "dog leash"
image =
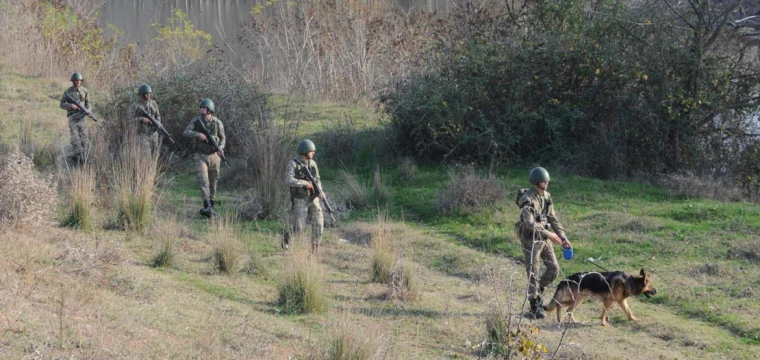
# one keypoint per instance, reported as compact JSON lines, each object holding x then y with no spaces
{"x":595,"y":264}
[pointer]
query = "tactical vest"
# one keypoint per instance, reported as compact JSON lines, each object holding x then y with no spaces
{"x":300,"y":174}
{"x":213,"y":129}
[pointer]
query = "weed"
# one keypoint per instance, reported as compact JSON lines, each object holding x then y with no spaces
{"x":134,"y":176}
{"x":301,"y":288}
{"x":383,"y":253}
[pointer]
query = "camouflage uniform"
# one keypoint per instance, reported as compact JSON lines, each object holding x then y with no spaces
{"x":207,"y":161}
{"x":303,"y":200}
{"x":536,"y":217}
{"x":77,"y":123}
{"x":147,"y":135}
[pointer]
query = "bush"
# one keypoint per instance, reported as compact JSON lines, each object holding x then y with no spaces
{"x":466,"y":190}
{"x":301,"y":288}
{"x":567,"y":85}
{"x":28,"y":198}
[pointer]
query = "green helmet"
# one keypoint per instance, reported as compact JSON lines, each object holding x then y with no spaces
{"x":77,"y":76}
{"x":305,"y":146}
{"x":208,"y":104}
{"x":537,"y":175}
{"x":144,"y":89}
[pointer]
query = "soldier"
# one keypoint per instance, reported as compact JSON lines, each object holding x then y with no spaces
{"x":147,"y":134}
{"x":77,"y":123}
{"x":537,"y":217}
{"x":302,"y":194}
{"x":207,"y":158}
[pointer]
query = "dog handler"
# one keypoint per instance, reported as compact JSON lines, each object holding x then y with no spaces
{"x":537,"y":225}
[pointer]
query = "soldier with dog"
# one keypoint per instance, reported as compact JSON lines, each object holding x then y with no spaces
{"x":537,"y":228}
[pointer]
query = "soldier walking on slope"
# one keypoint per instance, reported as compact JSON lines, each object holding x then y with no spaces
{"x":207,"y":159}
{"x":537,"y":217}
{"x":302,"y":195}
{"x":147,"y":133}
{"x":77,"y":123}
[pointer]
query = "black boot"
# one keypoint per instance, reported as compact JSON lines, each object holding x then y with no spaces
{"x":213,"y":213}
{"x":206,"y":211}
{"x":286,"y":241}
{"x":537,"y":308}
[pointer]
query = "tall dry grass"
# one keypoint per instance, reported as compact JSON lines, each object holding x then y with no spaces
{"x":334,"y":50}
{"x":81,"y":196}
{"x":301,"y":287}
{"x":384,"y":255}
{"x":468,"y":190}
{"x":350,"y":340}
{"x":404,"y":284}
{"x":164,"y":234}
{"x":228,"y":254}
{"x":28,"y":198}
{"x":133,"y":178}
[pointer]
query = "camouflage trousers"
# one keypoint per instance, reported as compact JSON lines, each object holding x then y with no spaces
{"x":148,"y":143}
{"x":535,"y":251}
{"x":78,"y":130}
{"x":304,"y":210}
{"x":207,"y":173}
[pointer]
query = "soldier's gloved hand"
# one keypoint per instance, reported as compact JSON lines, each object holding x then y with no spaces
{"x":202,"y":137}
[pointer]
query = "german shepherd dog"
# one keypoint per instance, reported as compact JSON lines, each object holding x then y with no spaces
{"x":607,"y":287}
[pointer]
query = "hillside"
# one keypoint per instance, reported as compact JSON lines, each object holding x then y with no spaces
{"x":67,"y":293}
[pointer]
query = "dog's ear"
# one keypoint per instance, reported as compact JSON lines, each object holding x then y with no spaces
{"x":642,"y":273}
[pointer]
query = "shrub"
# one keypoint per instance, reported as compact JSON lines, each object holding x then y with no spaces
{"x":301,"y":288}
{"x":164,"y":234}
{"x":466,"y":190}
{"x":81,"y":196}
{"x":337,"y":141}
{"x":27,"y":197}
{"x":165,"y":256}
{"x":353,"y":192}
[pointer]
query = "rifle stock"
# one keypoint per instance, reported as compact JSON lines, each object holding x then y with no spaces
{"x":211,"y":140}
{"x":81,"y":107}
{"x":157,"y":124}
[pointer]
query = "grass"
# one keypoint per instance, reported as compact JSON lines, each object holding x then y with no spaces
{"x":702,"y":254}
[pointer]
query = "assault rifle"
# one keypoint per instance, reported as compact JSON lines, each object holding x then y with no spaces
{"x":318,"y":191}
{"x":211,"y":140}
{"x":157,"y":124}
{"x":81,"y":107}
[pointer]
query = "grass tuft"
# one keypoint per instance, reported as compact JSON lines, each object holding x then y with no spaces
{"x":404,"y":285}
{"x":466,"y":190}
{"x":81,"y":195}
{"x":383,"y":254}
{"x":27,"y":197}
{"x":301,"y":289}
{"x":227,"y":253}
{"x":134,"y":175}
{"x":350,"y":341}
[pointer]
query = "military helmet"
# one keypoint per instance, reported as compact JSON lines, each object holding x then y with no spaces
{"x":305,"y":146}
{"x":208,"y":104}
{"x":537,"y":175}
{"x":77,"y":76}
{"x":144,"y":89}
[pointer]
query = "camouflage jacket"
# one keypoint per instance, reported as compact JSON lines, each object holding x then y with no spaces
{"x":82,"y":95}
{"x":537,"y":216}
{"x":296,"y":178}
{"x":151,"y":108}
{"x":215,"y":128}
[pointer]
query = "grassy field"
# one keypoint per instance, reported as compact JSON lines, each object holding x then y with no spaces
{"x":67,"y":293}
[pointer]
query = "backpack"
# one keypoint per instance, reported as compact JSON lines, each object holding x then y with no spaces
{"x":520,"y":193}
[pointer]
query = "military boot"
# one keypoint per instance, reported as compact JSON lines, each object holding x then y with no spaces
{"x":206,"y":211}
{"x":537,"y":308}
{"x":213,"y":213}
